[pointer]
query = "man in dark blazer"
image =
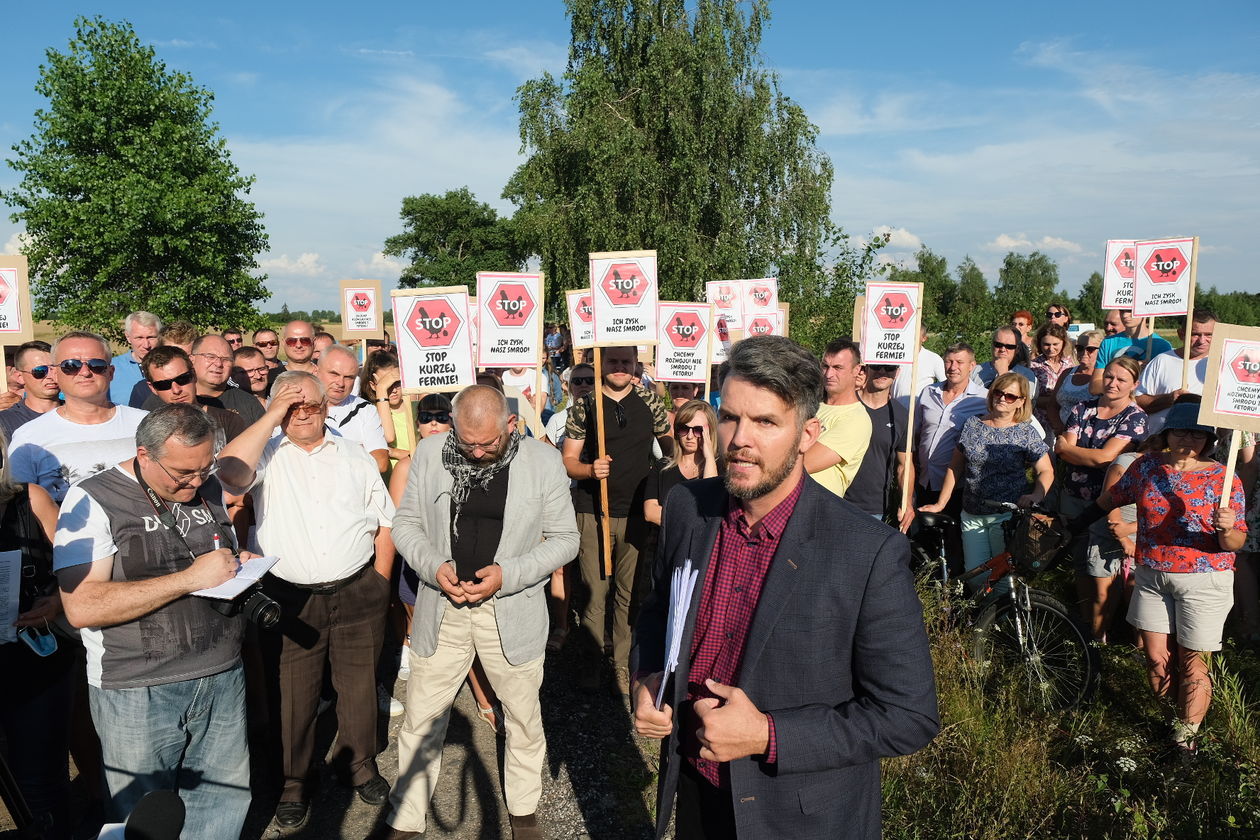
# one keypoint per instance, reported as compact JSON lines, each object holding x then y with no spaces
{"x":803,"y":658}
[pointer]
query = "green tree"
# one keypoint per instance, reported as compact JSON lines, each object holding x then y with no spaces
{"x":939,"y":289}
{"x":667,"y":132}
{"x":1026,"y":281}
{"x":128,"y":193}
{"x":1087,"y":307}
{"x":449,"y":238}
{"x":974,"y":313}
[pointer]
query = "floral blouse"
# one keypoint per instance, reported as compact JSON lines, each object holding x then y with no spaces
{"x":998,"y":461}
{"x":1093,"y":432}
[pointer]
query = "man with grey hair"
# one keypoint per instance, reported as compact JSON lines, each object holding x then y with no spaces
{"x":134,"y":544}
{"x":352,"y":416}
{"x":485,"y":519}
{"x":85,"y":434}
{"x":141,"y":329}
{"x":804,"y":658}
{"x":321,"y":507}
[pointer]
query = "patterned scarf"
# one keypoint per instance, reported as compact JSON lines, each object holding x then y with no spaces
{"x":465,"y":474}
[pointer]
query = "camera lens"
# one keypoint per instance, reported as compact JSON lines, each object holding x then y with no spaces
{"x":261,"y":610}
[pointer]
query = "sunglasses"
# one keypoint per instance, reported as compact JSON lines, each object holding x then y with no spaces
{"x":999,"y":345}
{"x":1193,"y":434}
{"x":881,"y":370}
{"x":582,"y":380}
{"x":38,"y":372}
{"x":683,"y":431}
{"x":434,"y":417}
{"x":275,"y":343}
{"x":181,"y":380}
{"x":1007,"y":396}
{"x":1088,"y":348}
{"x":299,"y":341}
{"x":1052,"y":314}
{"x":235,"y":341}
{"x":306,"y":409}
{"x":71,"y":367}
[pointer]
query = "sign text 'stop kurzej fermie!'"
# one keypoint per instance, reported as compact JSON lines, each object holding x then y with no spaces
{"x":890,"y":333}
{"x":1118,"y":272}
{"x":434,"y":344}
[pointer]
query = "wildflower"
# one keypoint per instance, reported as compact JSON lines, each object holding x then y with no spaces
{"x":1126,"y":764}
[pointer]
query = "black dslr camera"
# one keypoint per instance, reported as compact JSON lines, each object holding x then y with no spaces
{"x":254,"y":604}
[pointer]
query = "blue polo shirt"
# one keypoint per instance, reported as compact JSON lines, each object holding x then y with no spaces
{"x":126,"y":375}
{"x":1115,"y":346}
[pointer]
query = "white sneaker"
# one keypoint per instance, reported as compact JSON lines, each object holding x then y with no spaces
{"x":387,"y":703}
{"x":404,"y":664}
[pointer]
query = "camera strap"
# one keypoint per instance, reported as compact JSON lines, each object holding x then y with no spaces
{"x":167,"y":518}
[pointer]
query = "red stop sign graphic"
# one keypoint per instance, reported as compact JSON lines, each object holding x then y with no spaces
{"x":5,"y":288}
{"x":761,"y":295}
{"x":511,"y":304}
{"x":1125,"y":262}
{"x":584,"y":309}
{"x":685,"y":330}
{"x":725,"y":296}
{"x":360,"y":302}
{"x":894,"y":310}
{"x":1246,"y":365}
{"x":433,"y":322}
{"x":1166,"y":265}
{"x":760,"y":326}
{"x":624,"y":283}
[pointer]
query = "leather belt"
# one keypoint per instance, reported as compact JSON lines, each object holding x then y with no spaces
{"x":323,"y":588}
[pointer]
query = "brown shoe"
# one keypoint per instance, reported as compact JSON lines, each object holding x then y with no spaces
{"x":525,"y":828}
{"x":388,"y":832}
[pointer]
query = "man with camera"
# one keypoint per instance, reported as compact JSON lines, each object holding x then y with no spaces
{"x":167,"y":691}
{"x":322,"y":508}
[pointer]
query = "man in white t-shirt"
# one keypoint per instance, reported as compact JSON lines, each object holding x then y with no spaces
{"x":1160,"y":384}
{"x":524,"y":380}
{"x":85,"y":435}
{"x":349,"y":415}
{"x":930,"y":369}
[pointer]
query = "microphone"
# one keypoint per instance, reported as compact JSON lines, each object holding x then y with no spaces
{"x":159,"y":815}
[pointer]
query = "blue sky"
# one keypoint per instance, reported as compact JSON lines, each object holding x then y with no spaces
{"x":974,"y":128}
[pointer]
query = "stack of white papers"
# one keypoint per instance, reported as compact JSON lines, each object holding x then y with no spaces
{"x":250,"y":572}
{"x":681,"y":587}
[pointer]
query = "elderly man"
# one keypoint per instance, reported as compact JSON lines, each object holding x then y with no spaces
{"x":299,"y":346}
{"x":33,"y":370}
{"x":141,"y":330}
{"x":803,"y":655}
{"x":484,"y":567}
{"x":352,"y":416}
{"x":167,"y":691}
{"x":322,"y":509}
{"x":87,"y":433}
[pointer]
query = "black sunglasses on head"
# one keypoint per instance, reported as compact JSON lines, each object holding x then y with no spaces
{"x":434,"y":417}
{"x":71,"y":367}
{"x":183,"y":379}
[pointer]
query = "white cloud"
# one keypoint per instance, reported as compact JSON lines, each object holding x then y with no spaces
{"x":182,"y":43}
{"x":527,"y":61}
{"x":306,"y":265}
{"x":380,"y":267}
{"x":899,"y":237}
{"x":385,"y":53}
{"x":1021,"y":242}
{"x":15,"y":243}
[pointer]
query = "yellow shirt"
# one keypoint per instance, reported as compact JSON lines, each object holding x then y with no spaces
{"x":846,"y":431}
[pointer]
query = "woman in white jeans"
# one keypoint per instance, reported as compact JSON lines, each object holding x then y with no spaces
{"x":994,"y":455}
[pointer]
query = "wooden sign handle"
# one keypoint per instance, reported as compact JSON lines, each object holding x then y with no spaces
{"x":1231,"y":464}
{"x":605,"y":531}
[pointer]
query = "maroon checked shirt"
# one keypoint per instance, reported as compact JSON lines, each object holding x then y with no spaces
{"x":732,"y":587}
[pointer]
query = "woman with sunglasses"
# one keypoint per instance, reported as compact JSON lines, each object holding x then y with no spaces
{"x":992,"y":461}
{"x":1097,"y":432}
{"x":1055,"y":359}
{"x":1073,"y":387}
{"x":1188,"y":530}
{"x":695,"y":456}
{"x":1058,"y":313}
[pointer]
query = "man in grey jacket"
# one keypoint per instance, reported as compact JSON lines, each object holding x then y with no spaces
{"x":485,"y":519}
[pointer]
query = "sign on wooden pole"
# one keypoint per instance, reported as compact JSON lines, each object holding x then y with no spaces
{"x":1232,"y":391}
{"x":435,"y":349}
{"x":581,"y":319}
{"x":1162,"y":276}
{"x":624,"y":297}
{"x":1118,"y":271}
{"x":683,"y":352}
{"x":361,"y":310}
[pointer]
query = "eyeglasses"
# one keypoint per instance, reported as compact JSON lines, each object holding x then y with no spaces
{"x":684,"y":431}
{"x":306,"y":409}
{"x":71,"y":367}
{"x":273,"y":343}
{"x":299,"y":341}
{"x":37,"y":372}
{"x":582,"y":380}
{"x":1193,"y":434}
{"x":184,"y":479}
{"x":211,"y":358}
{"x":1001,"y":345}
{"x":258,"y":371}
{"x":183,"y":379}
{"x":464,"y":446}
{"x":1007,"y":396}
{"x":433,"y":417}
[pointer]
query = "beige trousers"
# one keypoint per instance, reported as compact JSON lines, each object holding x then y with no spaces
{"x":431,"y":690}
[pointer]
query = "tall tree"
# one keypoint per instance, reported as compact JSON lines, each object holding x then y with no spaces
{"x":1087,"y":307}
{"x":128,"y":193}
{"x":450,"y":237}
{"x":1026,"y":281}
{"x":666,"y":131}
{"x":939,"y":289}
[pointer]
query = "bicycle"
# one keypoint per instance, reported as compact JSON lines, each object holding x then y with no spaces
{"x":1021,"y":634}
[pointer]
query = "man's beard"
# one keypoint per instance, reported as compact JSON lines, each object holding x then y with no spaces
{"x":771,"y":481}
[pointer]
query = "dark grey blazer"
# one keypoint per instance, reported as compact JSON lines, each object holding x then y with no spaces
{"x":836,"y":652}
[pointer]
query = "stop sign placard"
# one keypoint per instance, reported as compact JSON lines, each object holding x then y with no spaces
{"x":1163,"y":276}
{"x":1231,"y":389}
{"x":890,"y":323}
{"x":1166,"y":266}
{"x":581,"y":318}
{"x":434,"y":339}
{"x":360,"y":302}
{"x":1245,"y":365}
{"x":760,"y":325}
{"x":623,"y":300}
{"x":684,"y":329}
{"x":894,"y":311}
{"x":728,"y":301}
{"x":623,"y":283}
{"x":682,"y":353}
{"x":1125,"y":263}
{"x":1119,"y":270}
{"x":361,"y":315}
{"x":433,"y":323}
{"x":509,"y":319}
{"x":510,"y":304}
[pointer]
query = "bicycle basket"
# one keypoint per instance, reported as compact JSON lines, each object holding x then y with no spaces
{"x":1034,"y":540}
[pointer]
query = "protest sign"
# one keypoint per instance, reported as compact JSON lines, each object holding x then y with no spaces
{"x":434,"y":328}
{"x":760,"y":297}
{"x":623,"y":297}
{"x":581,"y":319}
{"x":509,"y":319}
{"x":722,"y":339}
{"x":16,"y":325}
{"x":1232,"y":388}
{"x":361,"y":309}
{"x":727,"y":299}
{"x":683,"y":352}
{"x":1164,"y":271}
{"x":1118,"y":273}
{"x":890,"y":326}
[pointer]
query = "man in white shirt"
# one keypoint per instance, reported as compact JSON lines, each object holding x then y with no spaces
{"x":85,"y":435}
{"x":930,"y":369}
{"x":322,"y":509}
{"x":1160,"y":383}
{"x":352,"y":416}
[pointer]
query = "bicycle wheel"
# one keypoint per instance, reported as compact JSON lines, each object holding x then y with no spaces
{"x":1037,"y":645}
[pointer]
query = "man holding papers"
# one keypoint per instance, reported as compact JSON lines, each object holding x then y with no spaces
{"x":802,"y":658}
{"x":164,"y":668}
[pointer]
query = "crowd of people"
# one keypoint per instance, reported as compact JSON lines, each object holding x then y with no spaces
{"x":462,"y":537}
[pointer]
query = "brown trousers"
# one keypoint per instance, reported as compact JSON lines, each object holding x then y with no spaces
{"x":342,"y":631}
